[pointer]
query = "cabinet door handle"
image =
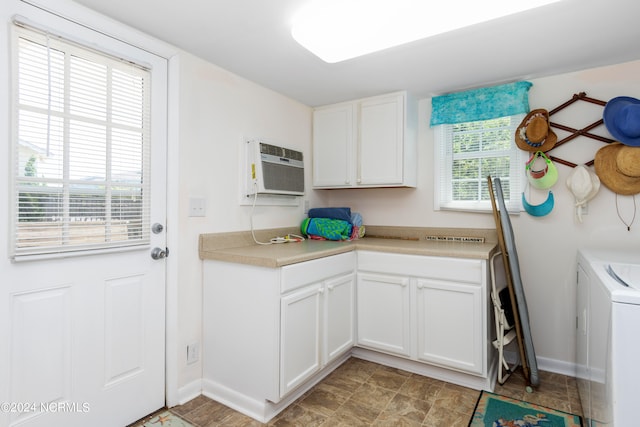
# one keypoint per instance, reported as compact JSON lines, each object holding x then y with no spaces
{"x":321,"y":290}
{"x":330,"y":287}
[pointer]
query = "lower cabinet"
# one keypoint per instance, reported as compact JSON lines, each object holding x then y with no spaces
{"x":267,"y":331}
{"x":429,"y":309}
{"x":316,"y":327}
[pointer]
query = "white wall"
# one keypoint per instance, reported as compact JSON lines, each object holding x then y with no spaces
{"x":546,"y":246}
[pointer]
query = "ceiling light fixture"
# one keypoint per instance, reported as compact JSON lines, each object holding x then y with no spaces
{"x":336,"y":30}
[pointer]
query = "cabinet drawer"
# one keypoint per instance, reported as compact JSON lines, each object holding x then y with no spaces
{"x":297,"y":275}
{"x":444,"y":268}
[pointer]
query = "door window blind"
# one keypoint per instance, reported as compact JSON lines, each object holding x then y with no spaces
{"x":81,"y":148}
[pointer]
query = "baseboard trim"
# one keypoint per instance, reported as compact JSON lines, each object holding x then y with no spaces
{"x":546,"y":364}
{"x":260,"y":410}
{"x":444,"y":374}
{"x":189,"y":392}
{"x":557,"y":366}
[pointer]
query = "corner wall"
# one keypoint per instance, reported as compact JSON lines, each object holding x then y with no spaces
{"x":217,"y":110}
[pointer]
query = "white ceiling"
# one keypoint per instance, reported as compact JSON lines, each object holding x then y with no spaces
{"x":251,"y":38}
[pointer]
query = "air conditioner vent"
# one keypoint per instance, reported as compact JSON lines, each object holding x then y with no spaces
{"x":274,"y":170}
{"x":280,"y":151}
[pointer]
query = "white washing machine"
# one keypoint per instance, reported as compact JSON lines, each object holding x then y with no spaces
{"x":608,"y":338}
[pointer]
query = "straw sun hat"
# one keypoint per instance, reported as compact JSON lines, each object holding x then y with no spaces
{"x":618,"y":167}
{"x":534,"y":133}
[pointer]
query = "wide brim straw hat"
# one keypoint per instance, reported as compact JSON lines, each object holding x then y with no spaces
{"x":621,"y":116}
{"x":618,"y":167}
{"x":534,"y":133}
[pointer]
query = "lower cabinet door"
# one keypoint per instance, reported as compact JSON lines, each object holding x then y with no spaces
{"x":450,"y":325}
{"x":339,"y":316}
{"x":383,"y":308}
{"x":300,"y":317}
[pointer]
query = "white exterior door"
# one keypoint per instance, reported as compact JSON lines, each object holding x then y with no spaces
{"x":83,"y":333}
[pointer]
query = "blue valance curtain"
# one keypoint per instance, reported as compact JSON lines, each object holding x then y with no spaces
{"x":481,"y":104}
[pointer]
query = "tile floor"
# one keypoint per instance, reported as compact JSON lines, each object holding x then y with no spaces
{"x":362,"y":393}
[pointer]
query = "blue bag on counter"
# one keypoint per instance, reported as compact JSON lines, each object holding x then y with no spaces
{"x":343,"y":214}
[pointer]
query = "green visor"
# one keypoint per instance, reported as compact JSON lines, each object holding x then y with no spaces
{"x":541,"y":178}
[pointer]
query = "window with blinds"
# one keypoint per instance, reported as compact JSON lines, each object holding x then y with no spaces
{"x":80,"y":148}
{"x":470,"y":152}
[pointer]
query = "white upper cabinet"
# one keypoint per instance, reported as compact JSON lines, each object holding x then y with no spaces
{"x":366,"y":143}
{"x":334,"y":133}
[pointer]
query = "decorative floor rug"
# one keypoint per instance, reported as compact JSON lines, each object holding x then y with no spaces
{"x":493,"y":410}
{"x":166,"y":419}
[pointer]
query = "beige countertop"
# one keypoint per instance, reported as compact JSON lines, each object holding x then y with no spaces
{"x":239,"y":247}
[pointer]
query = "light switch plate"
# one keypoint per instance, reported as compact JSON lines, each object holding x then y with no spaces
{"x":197,"y":206}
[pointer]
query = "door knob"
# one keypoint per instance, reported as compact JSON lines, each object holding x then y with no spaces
{"x":159,"y":253}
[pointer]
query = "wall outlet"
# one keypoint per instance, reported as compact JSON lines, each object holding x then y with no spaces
{"x":193,"y":353}
{"x":306,"y":206}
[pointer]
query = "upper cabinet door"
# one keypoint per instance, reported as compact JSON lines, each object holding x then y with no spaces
{"x":380,"y":147}
{"x":334,"y":130}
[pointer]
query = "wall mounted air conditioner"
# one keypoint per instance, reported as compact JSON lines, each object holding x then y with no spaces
{"x":274,"y":170}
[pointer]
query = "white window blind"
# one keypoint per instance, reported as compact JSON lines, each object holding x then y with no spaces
{"x":470,"y":152}
{"x":81,"y":155}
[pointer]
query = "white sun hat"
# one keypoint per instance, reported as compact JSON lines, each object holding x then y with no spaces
{"x":584,"y":184}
